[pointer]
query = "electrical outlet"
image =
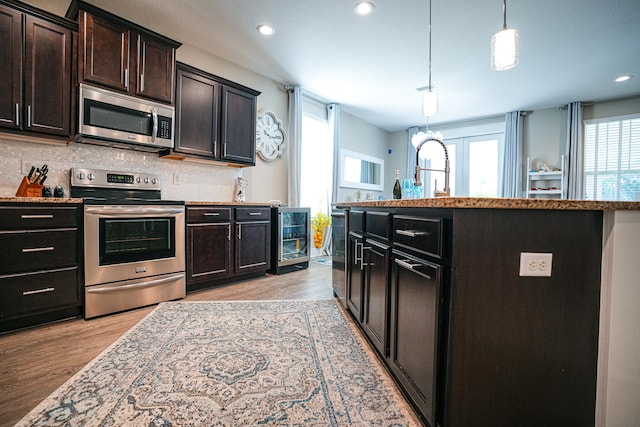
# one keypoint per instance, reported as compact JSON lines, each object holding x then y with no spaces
{"x":176,"y":179}
{"x":535,"y":264}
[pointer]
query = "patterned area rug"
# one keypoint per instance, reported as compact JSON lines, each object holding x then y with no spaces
{"x":251,"y":363}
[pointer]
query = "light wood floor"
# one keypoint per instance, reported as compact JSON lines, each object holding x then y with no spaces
{"x":35,"y":362}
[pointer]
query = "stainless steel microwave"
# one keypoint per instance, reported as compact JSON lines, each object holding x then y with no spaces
{"x":114,"y":119}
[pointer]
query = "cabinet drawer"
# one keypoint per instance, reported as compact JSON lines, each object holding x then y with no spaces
{"x":378,"y":224}
{"x":423,"y":235}
{"x":32,"y":292}
{"x":356,"y":221}
{"x":22,"y":218}
{"x":37,"y":250}
{"x":206,"y":214}
{"x":253,"y":214}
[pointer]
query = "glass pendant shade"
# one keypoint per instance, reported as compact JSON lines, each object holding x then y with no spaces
{"x":429,"y":103}
{"x":504,"y":50}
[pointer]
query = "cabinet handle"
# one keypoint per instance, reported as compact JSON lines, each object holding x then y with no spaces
{"x":44,"y":249}
{"x":255,"y":213}
{"x":224,"y":150}
{"x":126,"y":78}
{"x":36,"y":216}
{"x":141,"y":82}
{"x":17,"y":114}
{"x":117,"y":288}
{"x":412,"y":233}
{"x":38,"y":291}
{"x":215,"y":148}
{"x":211,"y":214}
{"x":413,"y":267}
{"x":239,"y":231}
{"x":28,"y":116}
{"x":356,"y":259}
{"x":229,"y":232}
{"x":154,"y":117}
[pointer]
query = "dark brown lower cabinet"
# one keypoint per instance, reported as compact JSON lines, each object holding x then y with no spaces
{"x":41,"y":252}
{"x":376,"y":294}
{"x":225,"y":243}
{"x":471,"y":341}
{"x":355,"y":275}
{"x":414,"y":329}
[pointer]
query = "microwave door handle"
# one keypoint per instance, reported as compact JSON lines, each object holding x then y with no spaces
{"x":154,"y":115}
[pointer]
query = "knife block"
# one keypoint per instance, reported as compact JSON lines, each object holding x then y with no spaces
{"x":27,"y":189}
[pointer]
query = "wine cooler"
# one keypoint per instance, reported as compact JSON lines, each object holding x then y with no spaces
{"x":290,"y":239}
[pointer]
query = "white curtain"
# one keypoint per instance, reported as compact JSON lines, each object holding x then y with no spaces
{"x":574,"y":151}
{"x":512,"y":167}
{"x":411,"y":152}
{"x":294,"y":132}
{"x":333,"y":116}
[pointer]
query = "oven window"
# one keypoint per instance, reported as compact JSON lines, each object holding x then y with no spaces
{"x":109,"y":116}
{"x":125,"y":240}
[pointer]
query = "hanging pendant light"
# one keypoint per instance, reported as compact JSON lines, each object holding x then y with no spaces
{"x":504,"y":45}
{"x":429,"y":98}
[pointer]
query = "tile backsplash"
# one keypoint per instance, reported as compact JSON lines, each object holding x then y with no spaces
{"x":180,"y":180}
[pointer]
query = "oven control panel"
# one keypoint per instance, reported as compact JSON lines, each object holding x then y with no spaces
{"x":82,"y":177}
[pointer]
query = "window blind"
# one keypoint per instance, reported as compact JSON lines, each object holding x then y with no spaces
{"x":612,"y":158}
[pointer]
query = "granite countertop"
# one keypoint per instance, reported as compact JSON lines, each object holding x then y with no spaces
{"x":11,"y":199}
{"x":40,"y":200}
{"x":494,"y":203}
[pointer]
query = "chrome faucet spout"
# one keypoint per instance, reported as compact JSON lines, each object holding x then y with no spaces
{"x":446,"y":191}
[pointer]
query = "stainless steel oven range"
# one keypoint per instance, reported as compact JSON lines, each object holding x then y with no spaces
{"x":133,"y":241}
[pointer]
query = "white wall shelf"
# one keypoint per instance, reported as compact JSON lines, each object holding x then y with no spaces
{"x":546,"y":183}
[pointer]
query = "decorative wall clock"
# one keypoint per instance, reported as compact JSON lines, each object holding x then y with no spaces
{"x":270,"y":141}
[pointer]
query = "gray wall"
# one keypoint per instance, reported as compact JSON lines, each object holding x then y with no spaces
{"x":362,"y":137}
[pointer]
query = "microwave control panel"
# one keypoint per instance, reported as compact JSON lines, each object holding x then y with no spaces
{"x":164,"y":127}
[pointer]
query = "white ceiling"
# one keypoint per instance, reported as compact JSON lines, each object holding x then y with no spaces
{"x":570,"y":50}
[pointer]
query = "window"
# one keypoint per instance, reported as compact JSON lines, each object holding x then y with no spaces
{"x":316,"y":158}
{"x":612,"y":158}
{"x":475,"y":154}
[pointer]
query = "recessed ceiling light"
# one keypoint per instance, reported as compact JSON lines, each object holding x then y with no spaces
{"x":623,"y":78}
{"x":266,"y":30}
{"x":364,"y":8}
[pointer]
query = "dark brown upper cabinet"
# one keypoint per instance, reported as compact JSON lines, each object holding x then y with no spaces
{"x":36,"y":65}
{"x":121,"y":55}
{"x":215,"y":118}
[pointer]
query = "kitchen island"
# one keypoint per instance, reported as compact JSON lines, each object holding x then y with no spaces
{"x":471,"y":340}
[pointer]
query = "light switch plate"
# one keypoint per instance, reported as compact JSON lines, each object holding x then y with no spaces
{"x":535,"y":264}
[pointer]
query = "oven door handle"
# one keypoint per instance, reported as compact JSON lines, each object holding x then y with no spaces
{"x":135,"y":285}
{"x":113,"y":212}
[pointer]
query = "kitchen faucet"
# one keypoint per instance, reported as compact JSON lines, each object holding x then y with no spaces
{"x":446,"y":192}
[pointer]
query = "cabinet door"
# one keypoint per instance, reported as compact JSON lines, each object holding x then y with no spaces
{"x":238,"y":127}
{"x":208,"y":251}
{"x":47,"y":89}
{"x":196,"y":114}
{"x":355,"y":275}
{"x":155,"y":65}
{"x":104,"y":52}
{"x":414,"y":327}
{"x":10,"y":68}
{"x":252,"y":246}
{"x":376,"y":294}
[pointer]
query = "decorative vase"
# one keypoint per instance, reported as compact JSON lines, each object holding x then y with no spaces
{"x":241,"y":189}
